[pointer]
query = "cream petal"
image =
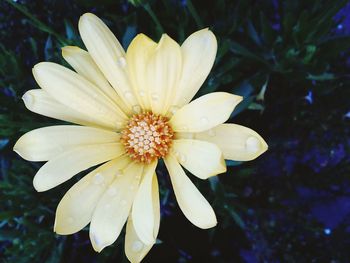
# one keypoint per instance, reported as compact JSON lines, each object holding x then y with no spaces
{"x":85,"y":66}
{"x":108,"y":54}
{"x":39,"y":101}
{"x":45,"y":143}
{"x":135,"y":250}
{"x":66,"y":165}
{"x":75,"y":209}
{"x":203,"y":159}
{"x":137,"y":56}
{"x":192,"y":203}
{"x":198,"y":55}
{"x":74,"y":91}
{"x":163,"y":73}
{"x":205,"y":112}
{"x":236,"y":142}
{"x":142,"y":209}
{"x":114,"y":207}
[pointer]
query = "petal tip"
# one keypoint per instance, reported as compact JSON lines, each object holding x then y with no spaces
{"x":37,"y":186}
{"x":209,"y":224}
{"x":96,"y":243}
{"x":28,"y":99}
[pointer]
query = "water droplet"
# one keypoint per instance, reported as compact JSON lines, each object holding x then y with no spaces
{"x":173,"y":109}
{"x":142,"y":93}
{"x":112,"y":191}
{"x":211,"y":133}
{"x":118,"y":173}
{"x":252,"y":144}
{"x":98,"y":178}
{"x":121,"y":61}
{"x":137,"y":246}
{"x":136,"y":108}
{"x":123,"y":202}
{"x":154,"y":96}
{"x":204,"y":120}
{"x":182,"y":158}
{"x":119,"y":124}
{"x":128,"y":94}
{"x":138,"y":177}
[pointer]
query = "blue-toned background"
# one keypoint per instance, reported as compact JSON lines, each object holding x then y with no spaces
{"x":289,"y":59}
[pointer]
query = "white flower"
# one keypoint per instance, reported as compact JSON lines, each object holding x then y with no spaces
{"x":133,"y":108}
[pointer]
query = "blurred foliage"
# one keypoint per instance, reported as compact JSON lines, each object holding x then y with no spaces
{"x":290,"y":61}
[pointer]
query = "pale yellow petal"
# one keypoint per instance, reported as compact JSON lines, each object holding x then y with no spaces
{"x":85,"y":66}
{"x":66,"y":165}
{"x":192,"y":203}
{"x":114,"y":207}
{"x":198,"y":56}
{"x":236,"y":142}
{"x":142,"y":209}
{"x":74,"y":91}
{"x":137,"y":56}
{"x":201,"y":158}
{"x":163,"y":73}
{"x":108,"y":54}
{"x":46,"y":143}
{"x":39,"y":101}
{"x":135,"y":250}
{"x":205,"y":112}
{"x":75,"y":209}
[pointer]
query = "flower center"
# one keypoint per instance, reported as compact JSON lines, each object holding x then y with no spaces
{"x":147,"y":136}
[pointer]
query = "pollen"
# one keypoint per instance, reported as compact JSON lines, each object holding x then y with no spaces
{"x":147,"y":137}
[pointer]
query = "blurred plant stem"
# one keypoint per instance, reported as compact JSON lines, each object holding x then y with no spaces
{"x":37,"y":23}
{"x":149,"y":10}
{"x":194,"y":14}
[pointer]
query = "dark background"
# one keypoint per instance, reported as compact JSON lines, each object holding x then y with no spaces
{"x":289,"y":59}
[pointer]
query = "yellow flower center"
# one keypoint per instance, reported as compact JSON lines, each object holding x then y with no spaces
{"x":147,"y":137}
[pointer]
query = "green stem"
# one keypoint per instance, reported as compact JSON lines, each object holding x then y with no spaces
{"x":194,"y":14}
{"x":37,"y":23}
{"x":149,"y":10}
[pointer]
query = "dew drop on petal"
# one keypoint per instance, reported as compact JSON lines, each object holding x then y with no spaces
{"x":154,"y":96}
{"x":128,"y":94}
{"x":204,"y":120}
{"x":98,"y":178}
{"x":119,"y":124}
{"x":136,"y":108}
{"x":252,"y":144}
{"x":121,"y":61}
{"x":142,"y":93}
{"x":112,"y":191}
{"x":173,"y":109}
{"x":137,"y":246}
{"x":119,"y":173}
{"x":101,"y":110}
{"x":138,"y":177}
{"x":211,"y":133}
{"x":182,"y":158}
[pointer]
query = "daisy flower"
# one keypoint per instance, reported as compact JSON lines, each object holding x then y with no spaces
{"x":132,"y":109}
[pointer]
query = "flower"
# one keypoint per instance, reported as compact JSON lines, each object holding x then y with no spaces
{"x":132,"y":108}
